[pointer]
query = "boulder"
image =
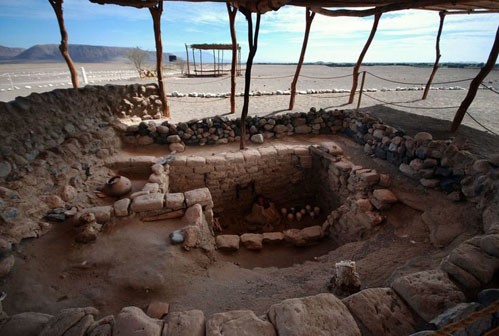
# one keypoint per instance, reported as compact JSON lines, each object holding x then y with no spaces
{"x":257,"y":138}
{"x":447,"y":223}
{"x":132,"y":321}
{"x":272,"y":237}
{"x":428,"y":293}
{"x":227,"y":242}
{"x":471,"y":258}
{"x":69,"y":193}
{"x":460,"y":312}
{"x":383,"y":198}
{"x":304,"y":237}
{"x":177,"y":237}
{"x":6,"y":265}
{"x":423,"y":136}
{"x":157,"y":309}
{"x":102,"y":213}
{"x":252,"y":241}
{"x":191,"y":236}
{"x":380,"y":312}
{"x":320,"y":315}
{"x":102,"y":327}
{"x":67,"y":319}
{"x":25,"y":324}
{"x":238,"y":323}
{"x":187,"y":323}
{"x":176,"y":147}
{"x":193,"y":215}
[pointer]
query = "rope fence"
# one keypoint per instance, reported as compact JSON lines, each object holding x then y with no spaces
{"x":411,"y":83}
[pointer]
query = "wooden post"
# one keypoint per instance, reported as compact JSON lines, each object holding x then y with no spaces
{"x":156,"y":12}
{"x":309,"y":17}
{"x":194,"y":60}
{"x":475,"y":84}
{"x":438,"y":55}
{"x":214,"y":64}
{"x":361,"y":89}
{"x":63,"y":47}
{"x":361,"y":57}
{"x":253,"y":44}
{"x":187,"y":56}
{"x":232,"y":19}
{"x":201,"y":60}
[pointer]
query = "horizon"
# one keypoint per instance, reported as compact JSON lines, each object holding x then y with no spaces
{"x":403,"y":37}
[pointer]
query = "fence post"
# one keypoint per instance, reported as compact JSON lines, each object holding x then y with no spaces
{"x":84,"y":75}
{"x":361,"y":89}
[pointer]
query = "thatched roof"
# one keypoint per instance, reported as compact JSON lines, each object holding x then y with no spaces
{"x":341,"y":7}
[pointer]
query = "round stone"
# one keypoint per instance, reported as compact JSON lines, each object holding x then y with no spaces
{"x":5,"y":168}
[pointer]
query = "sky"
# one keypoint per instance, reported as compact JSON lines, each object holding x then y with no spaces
{"x":403,"y":36}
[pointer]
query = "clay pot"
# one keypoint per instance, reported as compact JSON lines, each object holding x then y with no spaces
{"x":117,"y":186}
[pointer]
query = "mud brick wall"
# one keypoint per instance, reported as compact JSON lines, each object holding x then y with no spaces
{"x":279,"y":172}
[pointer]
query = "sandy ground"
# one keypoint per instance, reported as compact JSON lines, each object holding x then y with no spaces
{"x":133,"y":263}
{"x":440,"y":104}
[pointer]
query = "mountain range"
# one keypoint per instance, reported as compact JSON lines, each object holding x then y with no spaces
{"x":79,"y":53}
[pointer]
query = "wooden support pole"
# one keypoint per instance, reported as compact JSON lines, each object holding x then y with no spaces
{"x":156,"y":12}
{"x":63,"y":47}
{"x":214,"y":63}
{"x":253,"y":45}
{"x":475,"y":84}
{"x":309,"y":17}
{"x":438,"y":55}
{"x":187,"y":56}
{"x":201,"y":60}
{"x":361,"y":90}
{"x":361,"y":57}
{"x":232,"y":19}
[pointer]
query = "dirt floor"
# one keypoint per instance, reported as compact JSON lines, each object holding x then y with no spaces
{"x":133,"y":263}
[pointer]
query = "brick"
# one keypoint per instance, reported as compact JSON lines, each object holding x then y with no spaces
{"x":251,"y":155}
{"x":199,"y":196}
{"x":194,"y":161}
{"x":204,"y":169}
{"x":121,"y":207}
{"x":148,"y":202}
{"x":175,"y":201}
{"x":216,"y":160}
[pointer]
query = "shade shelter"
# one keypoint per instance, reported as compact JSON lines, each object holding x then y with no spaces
{"x":206,"y":69}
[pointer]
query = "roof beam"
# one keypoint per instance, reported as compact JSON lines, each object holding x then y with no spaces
{"x":413,"y":4}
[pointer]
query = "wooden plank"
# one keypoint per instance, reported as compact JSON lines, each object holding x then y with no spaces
{"x":168,"y":215}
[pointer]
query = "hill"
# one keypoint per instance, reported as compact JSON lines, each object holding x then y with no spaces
{"x":79,"y":53}
{"x":8,"y":53}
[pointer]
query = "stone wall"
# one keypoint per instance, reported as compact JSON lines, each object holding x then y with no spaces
{"x":39,"y":122}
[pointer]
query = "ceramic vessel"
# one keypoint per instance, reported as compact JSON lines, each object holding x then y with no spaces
{"x":117,"y":186}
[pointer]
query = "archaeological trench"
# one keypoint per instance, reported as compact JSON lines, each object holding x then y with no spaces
{"x":330,"y":223}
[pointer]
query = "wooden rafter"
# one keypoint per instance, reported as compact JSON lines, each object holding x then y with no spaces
{"x":395,"y":6}
{"x":63,"y":47}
